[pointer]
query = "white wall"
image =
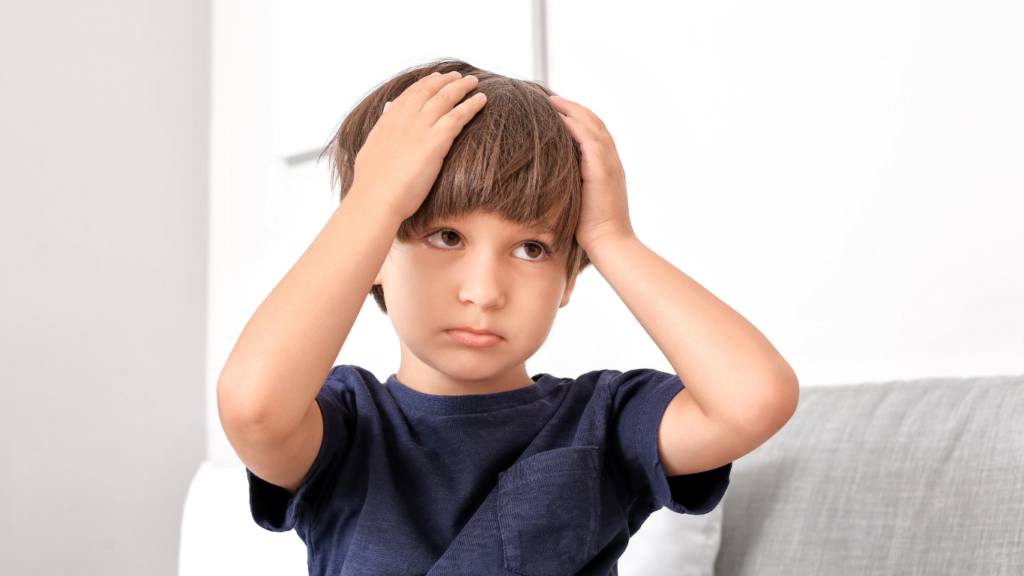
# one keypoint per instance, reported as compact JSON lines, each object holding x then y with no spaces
{"x":103,"y":191}
{"x":846,"y":175}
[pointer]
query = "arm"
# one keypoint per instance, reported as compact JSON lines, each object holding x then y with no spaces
{"x":266,"y":393}
{"x":739,"y":389}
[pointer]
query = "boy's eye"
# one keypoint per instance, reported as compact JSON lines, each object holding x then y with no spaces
{"x":445,"y":239}
{"x":450,"y":239}
{"x":531,"y":251}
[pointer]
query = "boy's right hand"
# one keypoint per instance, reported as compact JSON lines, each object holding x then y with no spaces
{"x":404,"y":152}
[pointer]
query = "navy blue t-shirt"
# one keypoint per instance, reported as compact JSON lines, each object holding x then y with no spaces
{"x":547,"y":480}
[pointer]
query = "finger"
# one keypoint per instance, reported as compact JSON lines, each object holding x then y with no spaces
{"x":582,"y":133}
{"x":412,"y":88}
{"x":577,"y":112}
{"x":596,"y":133}
{"x":429,"y":89}
{"x":449,"y":125}
{"x":445,"y":100}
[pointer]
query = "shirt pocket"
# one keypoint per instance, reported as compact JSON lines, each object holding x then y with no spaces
{"x":548,"y":510}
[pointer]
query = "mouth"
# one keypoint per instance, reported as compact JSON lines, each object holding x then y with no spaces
{"x":474,"y":338}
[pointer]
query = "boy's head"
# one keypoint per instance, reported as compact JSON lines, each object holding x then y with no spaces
{"x":515,"y":160}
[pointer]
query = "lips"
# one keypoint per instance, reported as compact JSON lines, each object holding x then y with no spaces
{"x":474,"y":338}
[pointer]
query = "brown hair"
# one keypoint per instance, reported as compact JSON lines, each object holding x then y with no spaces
{"x":515,"y":159}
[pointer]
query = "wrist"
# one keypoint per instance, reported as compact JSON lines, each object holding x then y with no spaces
{"x":373,"y":204}
{"x":607,"y":241}
{"x":609,"y":249}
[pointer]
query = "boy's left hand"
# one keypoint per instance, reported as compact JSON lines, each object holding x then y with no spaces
{"x":605,"y":211}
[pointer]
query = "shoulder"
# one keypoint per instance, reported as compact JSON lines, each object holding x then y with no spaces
{"x":645,"y":390}
{"x":351,"y":376}
{"x":347,"y":383}
{"x":622,"y":385}
{"x":610,"y":378}
{"x":626,"y":386}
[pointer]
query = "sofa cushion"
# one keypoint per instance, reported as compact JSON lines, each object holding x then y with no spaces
{"x":911,"y":477}
{"x":674,"y":544}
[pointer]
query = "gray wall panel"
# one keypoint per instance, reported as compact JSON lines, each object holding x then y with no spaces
{"x":103,"y":226}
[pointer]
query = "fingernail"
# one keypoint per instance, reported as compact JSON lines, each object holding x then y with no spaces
{"x":385,"y":107}
{"x":470,"y":76}
{"x":455,"y":73}
{"x":435,"y":74}
{"x":480,"y":95}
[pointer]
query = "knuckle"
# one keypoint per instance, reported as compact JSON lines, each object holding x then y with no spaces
{"x":444,"y":97}
{"x":456,"y":115}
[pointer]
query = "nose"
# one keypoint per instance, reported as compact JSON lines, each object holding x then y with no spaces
{"x":482,"y":281}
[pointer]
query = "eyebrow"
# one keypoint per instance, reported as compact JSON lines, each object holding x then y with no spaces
{"x":536,"y":227}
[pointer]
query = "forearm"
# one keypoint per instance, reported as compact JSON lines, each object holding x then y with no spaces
{"x":289,"y":345}
{"x":729,"y":367}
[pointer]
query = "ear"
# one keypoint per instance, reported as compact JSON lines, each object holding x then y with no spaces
{"x":568,"y":291}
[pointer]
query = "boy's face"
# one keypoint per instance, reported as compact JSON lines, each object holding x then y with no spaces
{"x":482,"y":272}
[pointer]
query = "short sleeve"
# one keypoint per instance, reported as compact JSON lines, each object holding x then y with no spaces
{"x":640,"y":398}
{"x":273,"y":507}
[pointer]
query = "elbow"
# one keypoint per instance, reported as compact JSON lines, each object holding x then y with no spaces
{"x":779,"y":405}
{"x":760,"y":415}
{"x":242,"y":413}
{"x":765,"y":413}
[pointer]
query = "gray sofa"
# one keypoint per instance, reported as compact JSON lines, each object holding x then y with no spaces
{"x":917,"y":477}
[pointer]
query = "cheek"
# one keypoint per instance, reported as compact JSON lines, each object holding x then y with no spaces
{"x":538,"y":306}
{"x":415,"y":291}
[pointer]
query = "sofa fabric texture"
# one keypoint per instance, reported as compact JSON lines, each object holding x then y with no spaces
{"x":916,"y":477}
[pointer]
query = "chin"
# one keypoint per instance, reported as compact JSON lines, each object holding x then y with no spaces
{"x":471,"y":364}
{"x":470,"y":370}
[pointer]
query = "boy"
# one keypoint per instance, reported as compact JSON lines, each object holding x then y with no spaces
{"x":470,"y":202}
